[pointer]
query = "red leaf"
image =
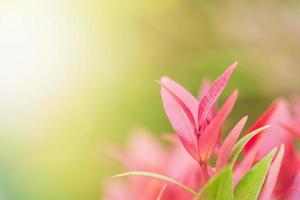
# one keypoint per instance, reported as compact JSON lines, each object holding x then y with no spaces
{"x":208,"y":139}
{"x":262,"y":121}
{"x":209,"y":99}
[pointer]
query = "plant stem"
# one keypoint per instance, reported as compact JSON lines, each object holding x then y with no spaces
{"x":204,"y":169}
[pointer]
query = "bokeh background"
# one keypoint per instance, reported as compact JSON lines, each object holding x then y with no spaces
{"x":77,"y":74}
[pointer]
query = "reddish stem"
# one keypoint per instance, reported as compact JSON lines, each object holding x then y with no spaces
{"x":204,"y":169}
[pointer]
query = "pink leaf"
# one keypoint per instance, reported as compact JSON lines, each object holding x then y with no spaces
{"x":262,"y":121}
{"x":179,"y":102}
{"x":161,"y":192}
{"x":230,"y":140}
{"x":189,"y":100}
{"x":289,"y":169}
{"x":203,"y":90}
{"x":275,"y":135}
{"x":271,"y":179}
{"x":294,"y":191}
{"x":213,"y":93}
{"x":181,"y":118}
{"x":208,"y":139}
{"x":292,"y":129}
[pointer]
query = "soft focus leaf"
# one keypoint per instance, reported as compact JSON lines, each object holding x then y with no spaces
{"x":250,"y":185}
{"x":261,"y":121}
{"x":294,"y":192}
{"x":157,"y":176}
{"x":219,"y":187}
{"x":161,"y":192}
{"x":293,"y":129}
{"x":205,"y":85}
{"x":272,"y":175}
{"x":238,"y":147}
{"x":275,"y":135}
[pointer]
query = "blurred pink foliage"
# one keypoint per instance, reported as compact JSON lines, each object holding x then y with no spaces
{"x":197,"y":124}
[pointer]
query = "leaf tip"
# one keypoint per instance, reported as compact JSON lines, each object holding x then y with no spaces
{"x":158,"y":82}
{"x":245,"y":118}
{"x":236,"y":92}
{"x":234,"y":65}
{"x":266,"y":126}
{"x":117,"y":175}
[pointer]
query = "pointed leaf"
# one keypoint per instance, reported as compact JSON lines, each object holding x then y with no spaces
{"x":181,"y":119}
{"x":227,"y":145}
{"x":261,"y":121}
{"x":276,"y":135}
{"x":209,"y":99}
{"x":238,"y":147}
{"x":244,"y":165}
{"x":161,"y":192}
{"x":219,"y":187}
{"x":159,"y":177}
{"x":203,"y":90}
{"x":188,"y":112}
{"x":250,"y":185}
{"x":190,"y":101}
{"x":205,"y":85}
{"x":272,"y":175}
{"x":208,"y":139}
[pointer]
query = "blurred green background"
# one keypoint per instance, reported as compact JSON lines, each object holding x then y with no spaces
{"x":76,"y":74}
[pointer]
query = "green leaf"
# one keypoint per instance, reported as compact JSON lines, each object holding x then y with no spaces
{"x":250,"y":185}
{"x":238,"y":147}
{"x":159,"y":177}
{"x":219,"y":187}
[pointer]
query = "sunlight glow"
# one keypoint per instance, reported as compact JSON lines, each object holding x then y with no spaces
{"x":36,"y":43}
